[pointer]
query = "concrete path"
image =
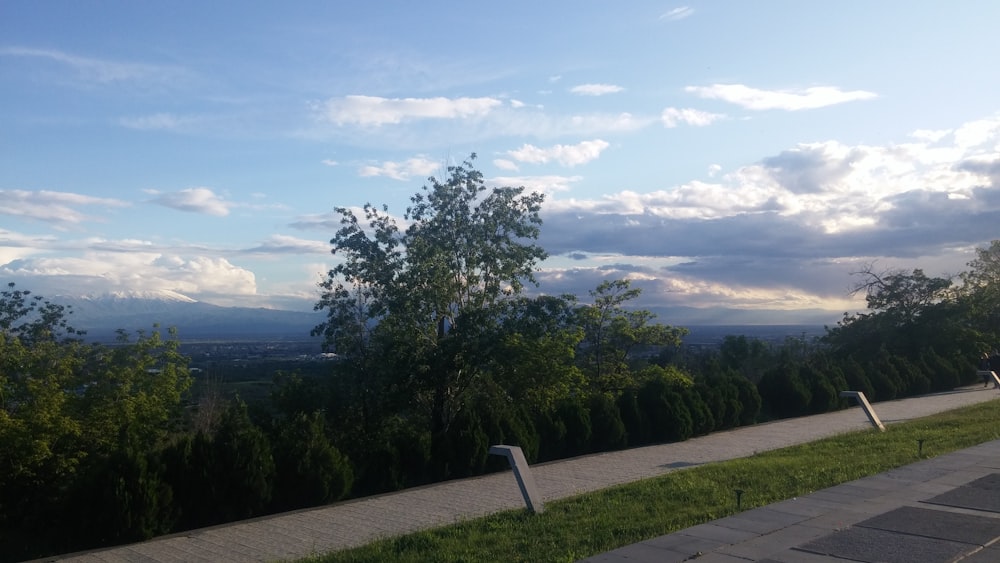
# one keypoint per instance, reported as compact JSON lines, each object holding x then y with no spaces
{"x":349,"y":524}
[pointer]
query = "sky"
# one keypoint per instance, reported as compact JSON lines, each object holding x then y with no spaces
{"x":721,"y":155}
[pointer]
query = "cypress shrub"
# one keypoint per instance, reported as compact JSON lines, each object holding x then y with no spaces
{"x":607,"y":427}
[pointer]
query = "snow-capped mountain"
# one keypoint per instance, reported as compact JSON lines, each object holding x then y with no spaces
{"x":127,"y":301}
{"x":100,"y":315}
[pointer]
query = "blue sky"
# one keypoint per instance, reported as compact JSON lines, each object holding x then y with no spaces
{"x":720,"y":154}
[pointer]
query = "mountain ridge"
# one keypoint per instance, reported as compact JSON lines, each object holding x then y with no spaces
{"x":102,"y":315}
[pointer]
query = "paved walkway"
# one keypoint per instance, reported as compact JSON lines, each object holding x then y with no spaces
{"x":940,"y":510}
{"x":349,"y":524}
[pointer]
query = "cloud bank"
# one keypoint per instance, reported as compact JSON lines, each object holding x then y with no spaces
{"x":789,"y":100}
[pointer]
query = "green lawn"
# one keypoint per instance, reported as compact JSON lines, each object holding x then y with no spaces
{"x":596,"y":522}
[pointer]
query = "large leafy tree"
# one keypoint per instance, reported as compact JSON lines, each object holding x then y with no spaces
{"x":612,"y":333}
{"x":411,"y":309}
{"x":535,"y":361}
{"x":907,"y":312}
{"x":902,"y":296}
{"x":910,"y":313}
{"x":981,"y":291}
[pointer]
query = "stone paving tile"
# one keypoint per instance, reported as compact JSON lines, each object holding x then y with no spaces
{"x":640,"y":553}
{"x":762,"y":520}
{"x":722,"y":534}
{"x":765,"y":546}
{"x":988,"y":555}
{"x":719,"y":558}
{"x":791,"y":556}
{"x":684,"y":543}
{"x":966,"y":528}
{"x":879,"y":546}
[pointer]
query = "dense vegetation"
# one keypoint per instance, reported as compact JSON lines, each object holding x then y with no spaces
{"x":441,"y":353}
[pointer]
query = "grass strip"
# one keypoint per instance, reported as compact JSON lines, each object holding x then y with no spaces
{"x":592,"y":523}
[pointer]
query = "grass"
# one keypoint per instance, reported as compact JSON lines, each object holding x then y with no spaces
{"x":593,"y":523}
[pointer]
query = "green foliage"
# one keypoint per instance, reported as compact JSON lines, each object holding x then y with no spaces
{"x":576,"y":417}
{"x":133,"y":499}
{"x":32,"y":318}
{"x":887,"y":380}
{"x":747,"y":356}
{"x":607,"y":428}
{"x":532,"y":363}
{"x":732,"y":400}
{"x":222,"y":477}
{"x":857,"y":378}
{"x":81,"y":425}
{"x":394,"y":455}
{"x":610,"y":333}
{"x":702,"y":418}
{"x":823,"y":395}
{"x":565,"y":430}
{"x":980,"y":293}
{"x":426,"y":301}
{"x":243,"y":466}
{"x":309,"y":470}
{"x":664,"y":410}
{"x":783,"y":392}
{"x":134,"y":391}
{"x":913,"y":379}
{"x":750,"y":400}
{"x":465,"y":450}
{"x":943,"y":374}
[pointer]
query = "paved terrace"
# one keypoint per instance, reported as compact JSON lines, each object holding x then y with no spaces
{"x":353,"y":523}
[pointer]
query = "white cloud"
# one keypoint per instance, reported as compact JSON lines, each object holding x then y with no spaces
{"x":516,"y":104}
{"x":835,"y":204}
{"x":197,"y":200}
{"x":376,"y":111}
{"x":672,"y":117}
{"x":405,"y":170}
{"x":540,"y":184}
{"x":500,"y":122}
{"x":677,"y":14}
{"x":595,"y":89}
{"x":330,"y":221}
{"x":541,"y":125}
{"x":825,"y":188}
{"x":979,"y":133}
{"x":100,"y":70}
{"x":98,"y":272}
{"x":50,"y":206}
{"x":567,"y":155}
{"x":330,"y":162}
{"x":285,"y":244}
{"x":504,"y":164}
{"x":602,"y":122}
{"x":15,"y":246}
{"x":791,"y":100}
{"x":930,"y":134}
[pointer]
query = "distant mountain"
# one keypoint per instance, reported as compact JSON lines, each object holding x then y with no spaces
{"x":689,"y":316}
{"x":102,"y":315}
